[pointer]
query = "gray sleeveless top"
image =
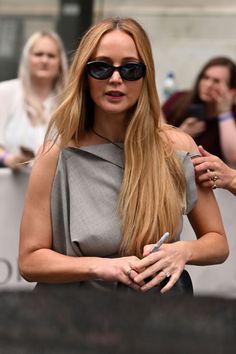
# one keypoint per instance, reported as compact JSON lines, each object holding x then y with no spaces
{"x":84,"y":198}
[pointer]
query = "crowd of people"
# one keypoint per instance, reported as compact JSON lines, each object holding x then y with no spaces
{"x":109,"y":178}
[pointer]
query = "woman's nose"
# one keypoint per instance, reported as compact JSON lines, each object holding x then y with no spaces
{"x":44,"y":58}
{"x":115,"y":77}
{"x":209,"y":82}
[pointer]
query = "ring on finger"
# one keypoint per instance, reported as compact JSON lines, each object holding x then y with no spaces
{"x":167,"y":274}
{"x":127,"y":272}
{"x":214,"y":186}
{"x":215,"y":178}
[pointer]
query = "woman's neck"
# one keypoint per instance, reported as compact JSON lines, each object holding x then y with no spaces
{"x":113,"y":127}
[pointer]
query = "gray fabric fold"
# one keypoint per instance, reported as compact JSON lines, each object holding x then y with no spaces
{"x":84,"y":199}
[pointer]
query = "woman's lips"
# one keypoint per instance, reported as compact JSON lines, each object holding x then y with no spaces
{"x":115,"y":95}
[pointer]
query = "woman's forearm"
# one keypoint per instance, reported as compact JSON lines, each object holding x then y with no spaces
{"x":46,"y":265}
{"x":227,"y":131}
{"x":211,"y":248}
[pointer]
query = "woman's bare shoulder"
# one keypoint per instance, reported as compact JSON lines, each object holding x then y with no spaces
{"x":45,"y":162}
{"x":48,"y":153}
{"x":180,"y":140}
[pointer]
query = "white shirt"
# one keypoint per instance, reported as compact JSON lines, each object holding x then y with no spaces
{"x":16,"y":128}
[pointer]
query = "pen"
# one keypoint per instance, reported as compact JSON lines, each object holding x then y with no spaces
{"x":160,"y":242}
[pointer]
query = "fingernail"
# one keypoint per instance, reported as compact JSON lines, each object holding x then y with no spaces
{"x":144,"y":288}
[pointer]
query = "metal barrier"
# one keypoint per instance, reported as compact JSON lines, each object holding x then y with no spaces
{"x":217,"y":280}
{"x":12,"y":192}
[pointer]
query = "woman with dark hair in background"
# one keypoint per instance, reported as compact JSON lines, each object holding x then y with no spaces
{"x":207,"y":112}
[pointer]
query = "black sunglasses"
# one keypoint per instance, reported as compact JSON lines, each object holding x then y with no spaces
{"x":102,"y":70}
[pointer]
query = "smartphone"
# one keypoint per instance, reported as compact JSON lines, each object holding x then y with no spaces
{"x":196,"y":110}
{"x":26,"y":151}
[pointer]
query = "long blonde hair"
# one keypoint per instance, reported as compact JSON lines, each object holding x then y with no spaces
{"x":32,"y":103}
{"x":152,"y":193}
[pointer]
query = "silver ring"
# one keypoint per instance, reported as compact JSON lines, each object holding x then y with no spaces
{"x":167,"y":274}
{"x":128,"y":272}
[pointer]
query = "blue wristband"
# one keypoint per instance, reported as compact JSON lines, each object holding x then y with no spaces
{"x":3,"y":158}
{"x":225,"y":116}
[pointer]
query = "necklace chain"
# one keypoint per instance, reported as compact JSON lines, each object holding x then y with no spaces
{"x":105,"y":138}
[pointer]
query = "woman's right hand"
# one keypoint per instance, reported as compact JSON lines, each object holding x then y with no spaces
{"x":117,"y":269}
{"x":193,"y":126}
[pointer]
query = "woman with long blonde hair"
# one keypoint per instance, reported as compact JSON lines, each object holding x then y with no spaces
{"x":110,"y":179}
{"x":26,"y":103}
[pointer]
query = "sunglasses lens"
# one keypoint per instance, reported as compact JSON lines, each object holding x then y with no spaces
{"x":99,"y":70}
{"x":133,"y":71}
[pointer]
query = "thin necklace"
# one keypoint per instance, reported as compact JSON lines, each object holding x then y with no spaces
{"x":110,"y":141}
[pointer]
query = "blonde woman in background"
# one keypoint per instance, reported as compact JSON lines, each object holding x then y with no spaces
{"x":26,"y":103}
{"x":114,"y":179}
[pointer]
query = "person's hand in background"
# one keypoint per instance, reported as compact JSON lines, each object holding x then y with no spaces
{"x":193,"y":126}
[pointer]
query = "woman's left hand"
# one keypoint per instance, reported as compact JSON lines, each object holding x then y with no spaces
{"x":168,"y":261}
